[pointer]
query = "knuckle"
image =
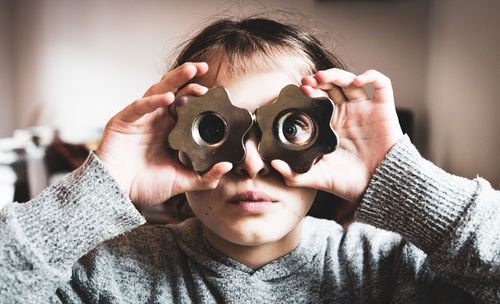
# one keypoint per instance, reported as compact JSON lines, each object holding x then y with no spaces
{"x":150,"y":91}
{"x":386,"y":81}
{"x":212,"y":185}
{"x":188,"y":66}
{"x":188,"y":71}
{"x":208,"y":183}
{"x":185,"y":65}
{"x":111,"y":122}
{"x":322,"y":76}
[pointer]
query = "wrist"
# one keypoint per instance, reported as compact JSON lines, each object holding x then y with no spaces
{"x":116,"y":169}
{"x":411,"y":196}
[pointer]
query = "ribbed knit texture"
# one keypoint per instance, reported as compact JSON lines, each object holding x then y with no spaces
{"x":40,"y":240}
{"x":455,"y":221}
{"x":411,"y":195}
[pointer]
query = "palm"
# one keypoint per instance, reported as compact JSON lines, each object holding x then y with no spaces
{"x":134,"y":145}
{"x":367,"y":129}
{"x":366,"y":132}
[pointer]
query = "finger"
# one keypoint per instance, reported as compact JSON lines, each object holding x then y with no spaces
{"x":308,"y":179}
{"x":334,"y":92}
{"x":310,"y":81}
{"x":190,"y":180}
{"x":211,"y":178}
{"x":291,"y":178}
{"x":313,"y":92}
{"x":381,"y":83}
{"x":337,"y":95}
{"x":176,"y":78}
{"x":336,"y":76}
{"x":141,"y":107}
{"x":343,"y":79}
{"x":192,"y":89}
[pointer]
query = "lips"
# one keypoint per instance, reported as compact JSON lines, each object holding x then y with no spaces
{"x":253,"y":202}
{"x":252,"y":196}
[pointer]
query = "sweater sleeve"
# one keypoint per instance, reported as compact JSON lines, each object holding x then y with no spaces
{"x":454,"y":220}
{"x":40,"y":240}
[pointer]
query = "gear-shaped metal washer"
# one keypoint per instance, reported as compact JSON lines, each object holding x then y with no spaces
{"x":184,"y":138}
{"x":299,"y":157}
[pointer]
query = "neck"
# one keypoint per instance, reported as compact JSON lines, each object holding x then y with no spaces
{"x":256,"y":256}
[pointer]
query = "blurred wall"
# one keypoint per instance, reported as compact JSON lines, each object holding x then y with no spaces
{"x":6,"y":70}
{"x":463,"y":87}
{"x":78,"y":62}
{"x":73,"y":64}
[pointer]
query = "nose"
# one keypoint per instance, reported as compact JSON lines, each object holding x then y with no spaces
{"x":253,"y":165}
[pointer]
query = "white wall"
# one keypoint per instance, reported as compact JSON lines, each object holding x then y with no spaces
{"x":463,"y":88}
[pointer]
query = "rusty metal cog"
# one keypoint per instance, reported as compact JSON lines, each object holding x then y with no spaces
{"x":210,"y":129}
{"x":296,"y":128}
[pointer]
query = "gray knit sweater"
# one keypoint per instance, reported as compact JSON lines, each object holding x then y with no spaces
{"x":81,"y":241}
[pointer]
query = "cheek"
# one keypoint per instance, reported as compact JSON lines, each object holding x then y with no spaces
{"x":300,"y":202}
{"x":203,"y":203}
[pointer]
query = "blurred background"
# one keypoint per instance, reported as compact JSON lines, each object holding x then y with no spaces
{"x":67,"y":66}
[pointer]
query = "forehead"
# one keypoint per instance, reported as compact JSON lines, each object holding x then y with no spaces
{"x":251,"y":90}
{"x":253,"y":82}
{"x":254,"y":90}
{"x":226,"y":65}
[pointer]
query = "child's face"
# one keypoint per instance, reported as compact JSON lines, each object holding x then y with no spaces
{"x":252,"y":206}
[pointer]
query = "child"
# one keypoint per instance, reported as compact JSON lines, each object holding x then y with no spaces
{"x":81,"y":240}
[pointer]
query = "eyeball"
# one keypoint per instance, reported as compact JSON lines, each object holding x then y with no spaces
{"x":209,"y":128}
{"x":294,"y":128}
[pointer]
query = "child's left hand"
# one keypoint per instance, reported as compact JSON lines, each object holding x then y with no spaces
{"x":367,"y":128}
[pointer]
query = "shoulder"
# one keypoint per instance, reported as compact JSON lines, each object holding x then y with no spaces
{"x":358,"y":243}
{"x":130,"y":264}
{"x":364,"y":252}
{"x":146,"y":248}
{"x":321,"y":229}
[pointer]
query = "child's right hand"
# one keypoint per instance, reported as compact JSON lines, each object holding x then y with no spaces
{"x":134,"y":144}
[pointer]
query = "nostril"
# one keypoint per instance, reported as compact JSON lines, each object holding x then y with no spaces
{"x":264,"y":171}
{"x":253,"y":174}
{"x":243,"y":172}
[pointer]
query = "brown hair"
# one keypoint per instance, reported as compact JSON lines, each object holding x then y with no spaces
{"x":256,"y":43}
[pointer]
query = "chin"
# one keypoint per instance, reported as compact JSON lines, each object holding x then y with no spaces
{"x":256,"y":232}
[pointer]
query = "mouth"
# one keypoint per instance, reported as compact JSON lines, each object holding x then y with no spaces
{"x":253,"y":201}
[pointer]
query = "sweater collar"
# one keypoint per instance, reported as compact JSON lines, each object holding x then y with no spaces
{"x":193,"y":242}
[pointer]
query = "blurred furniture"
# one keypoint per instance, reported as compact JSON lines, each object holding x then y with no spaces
{"x":23,"y":154}
{"x":34,"y":158}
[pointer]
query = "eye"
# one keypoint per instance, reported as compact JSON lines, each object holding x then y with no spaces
{"x":295,"y":128}
{"x":209,"y":129}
